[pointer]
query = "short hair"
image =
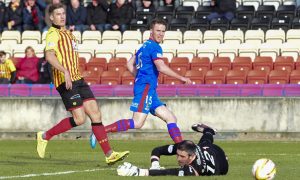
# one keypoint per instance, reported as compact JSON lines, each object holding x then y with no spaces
{"x":187,"y":146}
{"x":2,"y":53}
{"x":157,"y":21}
{"x":55,"y":6}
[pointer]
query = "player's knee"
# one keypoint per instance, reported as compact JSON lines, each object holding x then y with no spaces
{"x":138,"y":124}
{"x":79,"y":120}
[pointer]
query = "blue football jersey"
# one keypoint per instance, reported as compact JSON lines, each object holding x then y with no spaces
{"x":146,"y":69}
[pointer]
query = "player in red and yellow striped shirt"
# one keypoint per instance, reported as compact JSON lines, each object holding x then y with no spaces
{"x":61,"y":53}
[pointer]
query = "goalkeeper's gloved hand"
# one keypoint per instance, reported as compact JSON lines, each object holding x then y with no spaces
{"x":156,"y":166}
{"x":127,"y":169}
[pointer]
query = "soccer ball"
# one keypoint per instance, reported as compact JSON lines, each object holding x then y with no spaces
{"x":264,"y":169}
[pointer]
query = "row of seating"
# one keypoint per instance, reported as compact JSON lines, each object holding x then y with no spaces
{"x":200,"y":70}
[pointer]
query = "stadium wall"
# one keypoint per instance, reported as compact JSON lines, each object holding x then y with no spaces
{"x":236,"y":114}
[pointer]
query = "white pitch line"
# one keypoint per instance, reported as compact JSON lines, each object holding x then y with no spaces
{"x":53,"y":174}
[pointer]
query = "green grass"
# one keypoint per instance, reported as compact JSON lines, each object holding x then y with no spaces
{"x":18,"y":157}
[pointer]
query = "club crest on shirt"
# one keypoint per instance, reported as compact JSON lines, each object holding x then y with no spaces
{"x":74,"y":45}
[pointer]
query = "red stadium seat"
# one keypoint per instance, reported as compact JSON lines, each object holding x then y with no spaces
{"x":295,"y":77}
{"x":297,"y":63}
{"x":284,"y":63}
{"x":97,"y":64}
{"x":263,"y":63}
{"x":200,"y":64}
{"x":171,"y":80}
{"x":279,"y":77}
{"x":197,"y":77}
{"x":180,"y":65}
{"x":215,"y":77}
{"x":242,"y":64}
{"x":236,"y":77}
{"x":92,"y":80}
{"x":221,"y":64}
{"x":257,"y":77}
{"x":127,"y":78}
{"x":117,"y":64}
{"x":110,"y":78}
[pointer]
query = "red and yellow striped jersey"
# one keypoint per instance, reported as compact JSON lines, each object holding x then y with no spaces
{"x":63,"y":42}
{"x":6,"y":69}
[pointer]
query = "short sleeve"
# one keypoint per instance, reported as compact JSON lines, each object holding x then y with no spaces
{"x":52,"y":41}
{"x":156,"y":53}
{"x":11,"y":65}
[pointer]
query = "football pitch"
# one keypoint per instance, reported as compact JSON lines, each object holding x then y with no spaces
{"x":74,"y":159}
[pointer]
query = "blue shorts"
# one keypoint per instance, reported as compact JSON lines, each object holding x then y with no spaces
{"x":145,"y":99}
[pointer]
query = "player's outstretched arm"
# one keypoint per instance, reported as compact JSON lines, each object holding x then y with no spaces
{"x":52,"y":59}
{"x":131,"y":65}
{"x":163,"y":68}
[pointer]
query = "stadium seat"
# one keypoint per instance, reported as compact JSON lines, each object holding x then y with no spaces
{"x":86,"y":51}
{"x":234,"y":37}
{"x":146,"y":35}
{"x":127,"y":78}
{"x":7,"y":48}
{"x":274,"y":3}
{"x":19,"y":50}
{"x":194,"y":3}
{"x":178,"y":24}
{"x":239,"y":24}
{"x":255,"y":3}
{"x":44,"y":37}
{"x":281,"y":23}
{"x":236,"y":77}
{"x":110,"y":78}
{"x":199,"y":24}
{"x":197,"y":77}
{"x":263,"y":63}
{"x":192,"y":37}
{"x":164,"y":12}
{"x":263,"y":23}
{"x":132,"y":37}
{"x":169,"y":50}
{"x":92,"y":80}
{"x":97,"y":64}
{"x":221,"y":64}
{"x":171,"y":80}
{"x":242,"y":64}
{"x":269,"y":49}
{"x":145,"y":16}
{"x":295,"y":77}
{"x":10,"y":37}
{"x":105,"y":51}
{"x":265,"y":11}
{"x":77,"y":35}
{"x":248,"y":50}
{"x":290,"y":49}
{"x":180,"y":65}
{"x":31,"y":37}
{"x":91,"y":37}
{"x":221,"y":24}
{"x":297,"y":63}
{"x":203,"y":11}
{"x":256,"y":37}
{"x":289,"y":2}
{"x":138,"y":25}
{"x":125,"y":50}
{"x":201,"y":64}
{"x":284,"y":63}
{"x":172,"y":37}
{"x":293,"y":36}
{"x":111,"y":37}
{"x":228,"y":50}
{"x":117,"y":64}
{"x":186,"y":50}
{"x":257,"y":77}
{"x":213,"y":37}
{"x":207,"y":50}
{"x":82,"y":64}
{"x":279,"y":77}
{"x":275,"y":36}
{"x":296,"y":23}
{"x":286,"y":11}
{"x":245,"y":12}
{"x":215,"y":77}
{"x":185,"y":12}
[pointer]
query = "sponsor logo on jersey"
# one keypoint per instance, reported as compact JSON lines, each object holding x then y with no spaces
{"x":76,"y":96}
{"x":134,"y":105}
{"x":170,"y":148}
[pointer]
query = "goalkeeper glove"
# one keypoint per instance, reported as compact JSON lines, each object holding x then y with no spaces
{"x":127,"y":169}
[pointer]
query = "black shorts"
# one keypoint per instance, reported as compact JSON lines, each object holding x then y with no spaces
{"x":75,"y":97}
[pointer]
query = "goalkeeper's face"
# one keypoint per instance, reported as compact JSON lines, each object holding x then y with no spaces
{"x":184,"y":158}
{"x":58,"y":17}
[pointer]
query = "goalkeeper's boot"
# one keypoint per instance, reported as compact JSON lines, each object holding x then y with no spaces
{"x":93,"y":141}
{"x":202,"y":128}
{"x":41,"y":144}
{"x":116,"y":156}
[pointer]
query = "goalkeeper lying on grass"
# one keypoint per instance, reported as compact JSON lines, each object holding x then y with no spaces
{"x":202,"y":159}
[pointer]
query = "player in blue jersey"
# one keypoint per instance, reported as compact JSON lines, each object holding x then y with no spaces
{"x":146,"y":66}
